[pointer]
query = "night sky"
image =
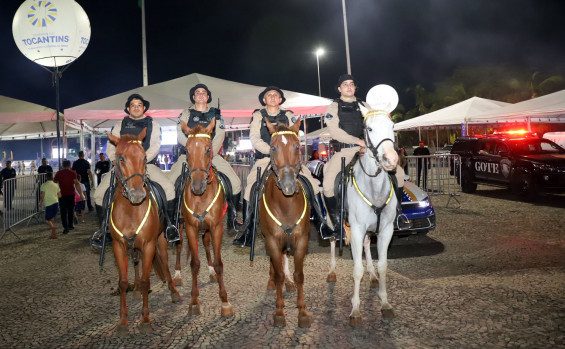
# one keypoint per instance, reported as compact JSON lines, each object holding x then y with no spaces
{"x":398,"y":42}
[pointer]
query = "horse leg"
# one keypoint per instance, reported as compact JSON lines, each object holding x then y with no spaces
{"x":178,"y":277}
{"x":192,"y":237}
{"x":331,"y":274}
{"x":276,"y":267}
{"x":300,"y":248}
{"x":148,"y":254}
{"x":382,"y":246}
{"x":288,"y":282}
{"x":355,"y":318}
{"x":206,"y":242}
{"x":137,"y":279}
{"x":164,"y":258}
{"x":120,"y":253}
{"x":227,"y":309}
{"x":374,"y":281}
{"x":271,"y":284}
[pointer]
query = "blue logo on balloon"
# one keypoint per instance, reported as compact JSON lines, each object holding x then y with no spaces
{"x":36,"y":14}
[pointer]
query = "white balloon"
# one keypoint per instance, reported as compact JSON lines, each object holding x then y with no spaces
{"x":382,"y":97}
{"x":51,"y":33}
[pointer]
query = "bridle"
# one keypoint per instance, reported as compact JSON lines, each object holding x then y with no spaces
{"x":207,"y":171}
{"x":277,"y":169}
{"x":123,"y":181}
{"x":369,"y":144}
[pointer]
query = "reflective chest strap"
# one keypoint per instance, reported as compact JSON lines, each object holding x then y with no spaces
{"x":131,"y":240}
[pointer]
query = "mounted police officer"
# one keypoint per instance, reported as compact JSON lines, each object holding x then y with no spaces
{"x":201,"y":114}
{"x":344,"y":120}
{"x":134,"y":123}
{"x":271,"y":98}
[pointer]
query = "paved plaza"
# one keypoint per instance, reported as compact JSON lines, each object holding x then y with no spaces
{"x":479,"y":285}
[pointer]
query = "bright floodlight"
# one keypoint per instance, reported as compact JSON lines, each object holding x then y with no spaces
{"x":319,"y":52}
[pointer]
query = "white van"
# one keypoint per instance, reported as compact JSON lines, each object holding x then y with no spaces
{"x":557,"y":137}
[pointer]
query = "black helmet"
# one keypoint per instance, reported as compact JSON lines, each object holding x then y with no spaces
{"x":197,"y":86}
{"x":270,"y":88}
{"x":136,"y":96}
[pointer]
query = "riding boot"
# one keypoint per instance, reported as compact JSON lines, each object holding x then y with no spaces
{"x":325,"y":231}
{"x":171,"y":232}
{"x":402,"y":222}
{"x":233,"y":219}
{"x":245,"y":238}
{"x":334,"y":214}
{"x":96,"y":239}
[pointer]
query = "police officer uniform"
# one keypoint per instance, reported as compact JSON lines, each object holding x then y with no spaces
{"x":261,"y":141}
{"x":193,"y":118}
{"x":151,"y":143}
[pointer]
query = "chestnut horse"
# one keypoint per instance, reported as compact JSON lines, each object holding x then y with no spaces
{"x":135,"y":223}
{"x":203,"y":208}
{"x":283,"y":216}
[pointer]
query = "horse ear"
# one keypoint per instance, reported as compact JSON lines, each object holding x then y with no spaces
{"x":272,"y":128}
{"x":112,"y":138}
{"x":210,"y":128}
{"x":185,"y":128}
{"x":296,"y":126}
{"x":142,"y":134}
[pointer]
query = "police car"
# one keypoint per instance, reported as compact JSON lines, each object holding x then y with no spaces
{"x":518,"y":160}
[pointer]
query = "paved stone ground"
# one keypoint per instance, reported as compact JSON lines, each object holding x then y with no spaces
{"x":478,"y":281}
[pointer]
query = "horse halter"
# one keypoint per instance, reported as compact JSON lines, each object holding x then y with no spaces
{"x":124,"y":181}
{"x":207,"y":171}
{"x":369,"y":144}
{"x":275,"y":168}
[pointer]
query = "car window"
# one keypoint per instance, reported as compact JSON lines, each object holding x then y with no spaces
{"x":536,"y":146}
{"x":486,"y":147}
{"x":500,"y":147}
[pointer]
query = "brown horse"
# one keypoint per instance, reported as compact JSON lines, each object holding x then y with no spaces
{"x":135,"y":223}
{"x":204,"y":207}
{"x":283,"y":216}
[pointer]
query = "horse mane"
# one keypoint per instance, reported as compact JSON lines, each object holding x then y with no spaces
{"x":199,"y":129}
{"x":282,"y":127}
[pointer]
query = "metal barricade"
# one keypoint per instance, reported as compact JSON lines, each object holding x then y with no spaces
{"x":20,"y":201}
{"x":436,"y":174}
{"x":242,"y":171}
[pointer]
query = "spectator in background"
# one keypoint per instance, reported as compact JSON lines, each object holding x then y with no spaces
{"x":50,"y":195}
{"x":423,"y":164}
{"x":82,"y":167}
{"x":102,"y":167}
{"x":80,"y":206}
{"x":9,"y":187}
{"x":44,"y":168}
{"x":403,"y":160}
{"x":68,"y":183}
{"x":41,"y":170}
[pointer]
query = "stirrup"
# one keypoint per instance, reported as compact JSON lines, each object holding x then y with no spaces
{"x":242,"y":240}
{"x":326,"y":232}
{"x":97,"y":238}
{"x":172,"y":233}
{"x":402,"y":222}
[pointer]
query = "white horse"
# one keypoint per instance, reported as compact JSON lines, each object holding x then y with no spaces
{"x":372,"y":207}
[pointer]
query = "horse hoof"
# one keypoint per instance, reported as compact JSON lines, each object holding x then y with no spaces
{"x":374,"y":283}
{"x":213,"y":278}
{"x":355,"y":321}
{"x":194,"y":310}
{"x":304,"y":321}
{"x":331,"y":277}
{"x":176,"y":297}
{"x":279,"y":320}
{"x":387,"y":313}
{"x":178,"y":281}
{"x":122,"y":330}
{"x":290,"y":286}
{"x":145,"y":327}
{"x":227,"y":310}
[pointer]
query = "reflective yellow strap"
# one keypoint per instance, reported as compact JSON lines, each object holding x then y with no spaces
{"x":199,"y":135}
{"x":209,"y":206}
{"x":377,"y":112}
{"x":135,"y":141}
{"x":140,"y":225}
{"x":367,"y":200}
{"x":284,"y":133}
{"x":275,"y":219}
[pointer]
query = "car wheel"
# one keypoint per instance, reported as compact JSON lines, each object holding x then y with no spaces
{"x":524,"y":187}
{"x":467,"y":185}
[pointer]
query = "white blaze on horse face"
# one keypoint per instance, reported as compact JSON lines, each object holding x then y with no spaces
{"x":284,"y":140}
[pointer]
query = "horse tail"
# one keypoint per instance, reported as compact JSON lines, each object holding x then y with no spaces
{"x":160,"y":267}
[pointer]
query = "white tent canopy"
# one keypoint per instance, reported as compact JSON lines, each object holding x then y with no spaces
{"x":548,"y":108}
{"x":453,"y":115}
{"x":169,"y":98}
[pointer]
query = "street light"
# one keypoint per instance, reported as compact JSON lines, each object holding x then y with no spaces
{"x":319,"y":52}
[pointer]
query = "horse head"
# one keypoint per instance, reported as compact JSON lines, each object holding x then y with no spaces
{"x":131,"y":165}
{"x":285,"y":155}
{"x":379,"y":138}
{"x":199,"y":154}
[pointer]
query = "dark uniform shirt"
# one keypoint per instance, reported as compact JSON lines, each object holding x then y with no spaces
{"x":81,"y":167}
